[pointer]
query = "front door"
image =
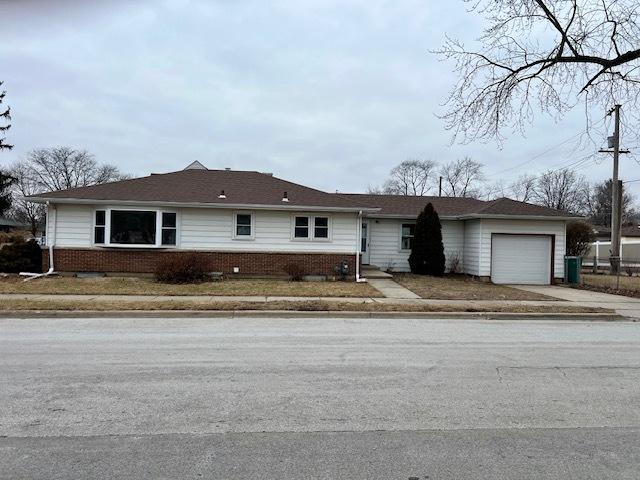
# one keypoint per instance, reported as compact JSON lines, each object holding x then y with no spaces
{"x":364,"y":242}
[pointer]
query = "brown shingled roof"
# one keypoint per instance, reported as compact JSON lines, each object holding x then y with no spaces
{"x":411,"y":206}
{"x":197,"y":186}
{"x":507,"y":206}
{"x":201,"y":186}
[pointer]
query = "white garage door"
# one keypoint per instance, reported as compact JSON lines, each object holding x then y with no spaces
{"x":524,"y":259}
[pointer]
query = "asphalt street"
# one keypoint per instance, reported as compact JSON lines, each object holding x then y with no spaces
{"x":318,"y":398}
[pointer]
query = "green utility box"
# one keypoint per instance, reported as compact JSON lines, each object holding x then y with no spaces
{"x":572,"y":267}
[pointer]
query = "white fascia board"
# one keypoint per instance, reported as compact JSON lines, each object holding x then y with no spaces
{"x":235,"y":206}
{"x":409,"y":217}
{"x":518,"y":217}
{"x":473,"y":216}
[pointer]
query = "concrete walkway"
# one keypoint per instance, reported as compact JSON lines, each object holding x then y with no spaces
{"x":627,"y":306}
{"x":391,"y":289}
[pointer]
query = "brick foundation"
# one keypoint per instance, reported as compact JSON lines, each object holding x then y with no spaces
{"x":144,"y":261}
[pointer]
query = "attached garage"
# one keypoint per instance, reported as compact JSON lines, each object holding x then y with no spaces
{"x":521,"y":259}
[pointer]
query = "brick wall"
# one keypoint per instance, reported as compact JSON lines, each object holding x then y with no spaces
{"x":145,"y":261}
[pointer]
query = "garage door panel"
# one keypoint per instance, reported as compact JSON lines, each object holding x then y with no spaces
{"x":524,"y":259}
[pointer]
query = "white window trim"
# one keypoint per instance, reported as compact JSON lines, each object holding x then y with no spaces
{"x":400,"y":249}
{"x":107,"y":233}
{"x":93,"y":226}
{"x":245,"y":238}
{"x":312,"y":228}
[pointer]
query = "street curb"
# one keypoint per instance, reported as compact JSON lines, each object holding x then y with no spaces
{"x":584,"y":317}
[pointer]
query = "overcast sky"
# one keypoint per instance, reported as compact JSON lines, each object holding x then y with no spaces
{"x":328,"y":93}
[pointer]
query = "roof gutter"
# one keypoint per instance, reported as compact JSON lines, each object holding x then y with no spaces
{"x":472,"y":216}
{"x":236,"y":206}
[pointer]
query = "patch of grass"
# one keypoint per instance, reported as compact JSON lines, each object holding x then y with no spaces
{"x":629,"y":286}
{"x":302,"y":306}
{"x":461,"y":287}
{"x":148,"y":286}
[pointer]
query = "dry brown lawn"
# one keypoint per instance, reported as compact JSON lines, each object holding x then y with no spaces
{"x":629,"y":286}
{"x":147,"y":286}
{"x":305,"y":305}
{"x":460,"y":287}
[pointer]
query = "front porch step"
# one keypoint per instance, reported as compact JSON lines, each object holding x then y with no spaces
{"x":374,"y":272}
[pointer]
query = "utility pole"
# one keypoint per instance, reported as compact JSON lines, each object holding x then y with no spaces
{"x":440,"y":188}
{"x":616,"y":203}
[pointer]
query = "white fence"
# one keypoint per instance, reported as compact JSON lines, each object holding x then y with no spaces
{"x":629,"y":252}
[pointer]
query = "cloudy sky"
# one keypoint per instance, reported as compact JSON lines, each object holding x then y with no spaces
{"x":329,"y":93}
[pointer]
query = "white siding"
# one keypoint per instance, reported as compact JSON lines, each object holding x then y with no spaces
{"x":471,"y":247}
{"x":540,"y":227}
{"x":73,"y":225}
{"x":212,"y":229}
{"x":384,"y":243}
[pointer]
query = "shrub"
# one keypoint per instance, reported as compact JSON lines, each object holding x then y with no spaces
{"x":427,"y":250}
{"x":11,"y":237}
{"x":580,"y":236}
{"x":181,"y":269}
{"x":295,"y":272}
{"x":21,"y":256}
{"x":455,"y":263}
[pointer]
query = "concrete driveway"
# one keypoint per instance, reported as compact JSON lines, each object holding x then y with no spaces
{"x":627,"y":306}
{"x":318,"y":398}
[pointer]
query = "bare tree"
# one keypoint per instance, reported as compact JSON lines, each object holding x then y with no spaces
{"x":543,"y":54}
{"x":462,"y":178}
{"x":494,"y":190}
{"x":6,"y":116}
{"x":22,"y":210}
{"x":524,"y":188}
{"x":411,"y":177}
{"x":60,"y":168}
{"x":598,"y":204}
{"x":562,"y":190}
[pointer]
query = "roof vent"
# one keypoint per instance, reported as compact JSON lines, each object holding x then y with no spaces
{"x":227,"y":169}
{"x":270,"y":174}
{"x":285,"y":197}
{"x":222,"y":195}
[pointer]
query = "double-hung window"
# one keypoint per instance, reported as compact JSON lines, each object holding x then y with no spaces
{"x":406,"y":235}
{"x":169,"y":228}
{"x":135,"y":228}
{"x":243,"y":226}
{"x":100,"y":226}
{"x":311,"y":228}
{"x":301,"y":228}
{"x":321,"y":227}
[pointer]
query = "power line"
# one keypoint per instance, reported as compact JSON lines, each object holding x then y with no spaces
{"x":548,"y":150}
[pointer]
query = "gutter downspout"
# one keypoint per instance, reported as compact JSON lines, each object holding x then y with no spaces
{"x":51,"y":239}
{"x":358,"y":244}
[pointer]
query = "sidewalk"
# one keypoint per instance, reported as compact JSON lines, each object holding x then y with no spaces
{"x":626,"y":306}
{"x":462,"y":304}
{"x":395,"y":295}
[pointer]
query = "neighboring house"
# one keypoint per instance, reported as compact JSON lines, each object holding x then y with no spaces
{"x":8,"y":225}
{"x":628,"y":233}
{"x":252,"y":223}
{"x":601,"y":248}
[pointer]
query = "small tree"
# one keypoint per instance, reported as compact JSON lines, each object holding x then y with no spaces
{"x":5,"y":192}
{"x":5,"y":115}
{"x":427,"y":250}
{"x":580,"y":236}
